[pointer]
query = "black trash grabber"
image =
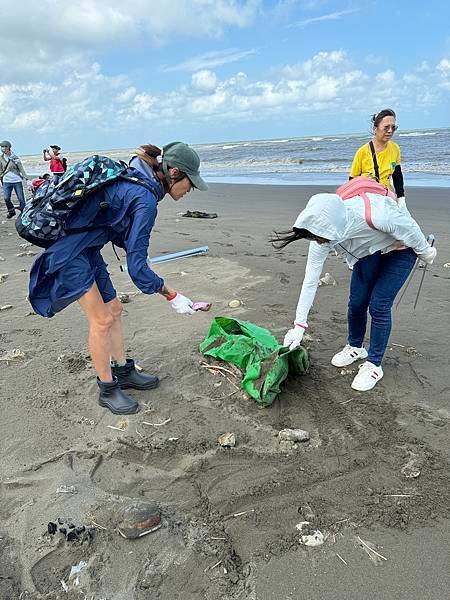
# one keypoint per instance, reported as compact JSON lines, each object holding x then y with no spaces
{"x":431,"y":240}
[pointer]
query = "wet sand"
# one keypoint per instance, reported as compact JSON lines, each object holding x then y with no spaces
{"x":53,"y":433}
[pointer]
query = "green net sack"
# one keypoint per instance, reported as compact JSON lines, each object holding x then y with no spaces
{"x":256,"y":351}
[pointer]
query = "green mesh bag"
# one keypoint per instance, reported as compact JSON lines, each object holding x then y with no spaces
{"x":256,"y":351}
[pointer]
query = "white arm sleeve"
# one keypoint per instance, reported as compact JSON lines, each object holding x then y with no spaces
{"x":401,"y":226}
{"x":317,"y":256}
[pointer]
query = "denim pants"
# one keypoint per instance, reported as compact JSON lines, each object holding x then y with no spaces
{"x":376,"y":280}
{"x":7,"y":192}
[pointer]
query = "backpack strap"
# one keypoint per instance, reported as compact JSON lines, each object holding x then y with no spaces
{"x":367,"y":210}
{"x":375,"y":163}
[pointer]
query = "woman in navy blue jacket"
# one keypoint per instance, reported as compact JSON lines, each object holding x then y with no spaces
{"x":73,"y":267}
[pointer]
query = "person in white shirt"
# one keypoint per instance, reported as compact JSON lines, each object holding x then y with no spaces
{"x":382,"y":255}
{"x":12,"y":175}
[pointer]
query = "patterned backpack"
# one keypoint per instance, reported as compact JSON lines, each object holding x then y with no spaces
{"x":43,"y":220}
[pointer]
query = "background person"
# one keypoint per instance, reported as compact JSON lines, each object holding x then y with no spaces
{"x":378,"y":273}
{"x":58,"y":164}
{"x":386,"y":168}
{"x":73,"y":268}
{"x":12,"y":175}
{"x":37,"y":182}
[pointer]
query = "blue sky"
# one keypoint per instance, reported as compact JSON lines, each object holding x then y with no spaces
{"x":105,"y":75}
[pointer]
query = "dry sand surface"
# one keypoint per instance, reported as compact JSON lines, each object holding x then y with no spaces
{"x":229,"y":515}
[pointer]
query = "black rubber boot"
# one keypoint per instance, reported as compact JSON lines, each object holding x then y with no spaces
{"x":112,"y":397}
{"x":128,"y":377}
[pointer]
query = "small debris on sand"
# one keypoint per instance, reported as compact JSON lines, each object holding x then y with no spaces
{"x":121,"y":424}
{"x":315,"y":538}
{"x":411,"y":469}
{"x":66,"y":489}
{"x":3,"y":277}
{"x":124,"y":298}
{"x":234,"y":303}
{"x":14,"y":354}
{"x":138,"y":518}
{"x":327,"y":279}
{"x":227,"y":440}
{"x":6,"y":307}
{"x":293,"y":435}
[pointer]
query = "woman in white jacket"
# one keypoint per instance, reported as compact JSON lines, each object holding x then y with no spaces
{"x":382,"y":255}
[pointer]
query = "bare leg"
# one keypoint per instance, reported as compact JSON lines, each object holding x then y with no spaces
{"x":117,"y":349}
{"x":100,"y":321}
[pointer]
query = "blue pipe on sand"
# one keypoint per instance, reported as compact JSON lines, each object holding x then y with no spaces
{"x":173,"y":256}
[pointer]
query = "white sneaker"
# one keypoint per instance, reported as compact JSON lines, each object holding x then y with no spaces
{"x":369,"y":375}
{"x":348,"y":355}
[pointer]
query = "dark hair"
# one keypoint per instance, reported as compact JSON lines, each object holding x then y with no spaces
{"x":281,"y":239}
{"x":149,"y":154}
{"x":378,"y":117}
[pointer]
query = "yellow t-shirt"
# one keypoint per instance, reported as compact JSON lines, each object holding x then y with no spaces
{"x":387,"y":160}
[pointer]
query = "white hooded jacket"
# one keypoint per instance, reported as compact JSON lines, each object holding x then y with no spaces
{"x":343,"y":222}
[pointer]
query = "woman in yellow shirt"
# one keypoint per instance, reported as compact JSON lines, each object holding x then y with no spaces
{"x":380,"y":158}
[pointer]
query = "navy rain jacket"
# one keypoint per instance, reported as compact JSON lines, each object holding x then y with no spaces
{"x":127,"y":222}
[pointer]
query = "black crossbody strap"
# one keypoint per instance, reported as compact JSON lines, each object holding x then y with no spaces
{"x":375,"y":163}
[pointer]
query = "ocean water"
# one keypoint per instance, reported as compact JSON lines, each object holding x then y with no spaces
{"x":305,"y":160}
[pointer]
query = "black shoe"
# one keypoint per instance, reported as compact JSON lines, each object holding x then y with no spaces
{"x":11,"y":214}
{"x":130,"y":378}
{"x":112,"y":397}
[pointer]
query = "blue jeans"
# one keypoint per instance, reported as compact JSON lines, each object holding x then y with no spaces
{"x":7,"y":192}
{"x":376,"y":280}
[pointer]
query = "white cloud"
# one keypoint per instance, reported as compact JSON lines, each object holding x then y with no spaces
{"x":444,"y":65}
{"x":204,"y":80}
{"x":334,"y":16}
{"x":386,"y":77}
{"x":209,"y":60}
{"x":61,"y":35}
{"x":328,"y":83}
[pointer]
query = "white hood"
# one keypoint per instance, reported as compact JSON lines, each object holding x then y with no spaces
{"x":325,"y":215}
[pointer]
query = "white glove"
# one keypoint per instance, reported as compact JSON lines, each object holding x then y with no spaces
{"x":294,"y":337}
{"x":401,"y":201}
{"x":428,"y":255}
{"x":182,"y":305}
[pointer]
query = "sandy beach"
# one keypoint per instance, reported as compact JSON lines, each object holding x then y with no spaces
{"x":229,"y":515}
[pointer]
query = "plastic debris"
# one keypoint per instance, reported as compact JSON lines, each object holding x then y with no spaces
{"x":227,"y":440}
{"x":293,"y":435}
{"x":6,"y":307}
{"x":3,"y":277}
{"x":327,"y":279}
{"x":2,"y":259}
{"x":138,"y":518}
{"x":26,"y":253}
{"x":202,"y":306}
{"x":66,"y":489}
{"x":14,"y":354}
{"x":447,"y":266}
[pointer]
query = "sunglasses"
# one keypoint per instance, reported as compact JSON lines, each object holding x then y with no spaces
{"x":390,"y":127}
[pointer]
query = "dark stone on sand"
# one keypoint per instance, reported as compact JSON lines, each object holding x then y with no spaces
{"x":138,"y":518}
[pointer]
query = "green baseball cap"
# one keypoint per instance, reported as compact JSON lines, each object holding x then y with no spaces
{"x":186,"y":159}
